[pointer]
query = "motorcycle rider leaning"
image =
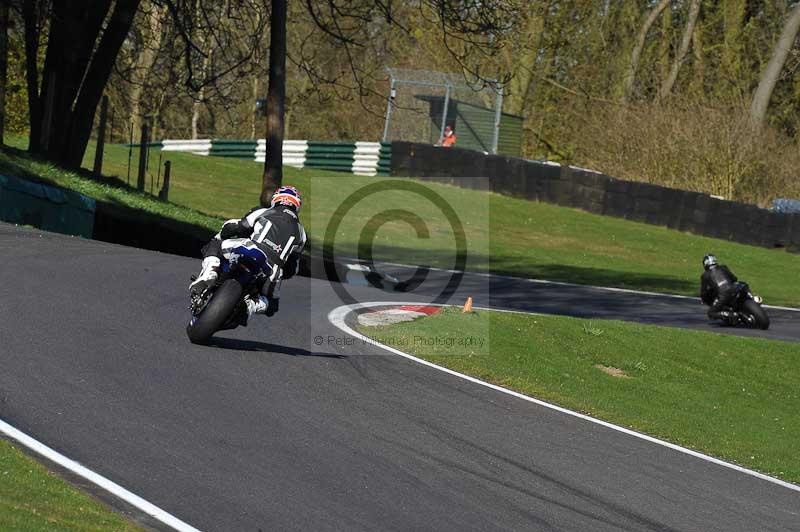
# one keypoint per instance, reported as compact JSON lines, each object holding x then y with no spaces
{"x":717,"y":288}
{"x":276,"y":231}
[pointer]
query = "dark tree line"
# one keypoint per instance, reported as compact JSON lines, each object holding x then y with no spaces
{"x":4,"y":20}
{"x":567,"y":66}
{"x":81,"y":40}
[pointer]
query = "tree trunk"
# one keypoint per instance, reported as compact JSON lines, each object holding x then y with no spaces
{"x":276,"y":98}
{"x":197,"y":104}
{"x":733,"y":16}
{"x":633,"y":66}
{"x":97,"y":75}
{"x":669,"y":82}
{"x":30,"y":17}
{"x":4,"y":8}
{"x":144,"y":65}
{"x":253,"y":103}
{"x":75,"y":27}
{"x":699,"y":75}
{"x":763,"y":94}
{"x":527,"y":61}
{"x":665,"y":45}
{"x":157,"y":113}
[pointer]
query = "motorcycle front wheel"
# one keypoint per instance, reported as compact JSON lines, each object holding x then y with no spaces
{"x":217,"y":311}
{"x":760,"y":315}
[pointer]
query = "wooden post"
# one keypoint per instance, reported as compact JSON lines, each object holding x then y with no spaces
{"x":144,"y":140}
{"x":111,"y":129}
{"x":101,"y":138}
{"x":130,"y":152}
{"x":163,"y":195}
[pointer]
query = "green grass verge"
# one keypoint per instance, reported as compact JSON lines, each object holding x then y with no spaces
{"x":504,"y":235}
{"x":18,"y":163}
{"x":32,"y":499}
{"x":735,"y":398}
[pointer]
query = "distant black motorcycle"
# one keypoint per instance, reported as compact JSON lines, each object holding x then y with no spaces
{"x":745,"y":309}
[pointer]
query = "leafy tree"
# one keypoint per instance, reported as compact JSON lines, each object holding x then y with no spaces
{"x":772,"y":72}
{"x":84,"y":37}
{"x":4,"y":20}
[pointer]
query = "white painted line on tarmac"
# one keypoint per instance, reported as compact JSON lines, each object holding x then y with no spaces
{"x":98,"y":480}
{"x":338,"y":315}
{"x":563,"y":283}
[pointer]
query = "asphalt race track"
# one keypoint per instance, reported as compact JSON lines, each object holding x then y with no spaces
{"x":590,"y":302}
{"x":267,"y":431}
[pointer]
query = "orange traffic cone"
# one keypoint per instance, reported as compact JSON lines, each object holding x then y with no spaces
{"x":467,"y":305}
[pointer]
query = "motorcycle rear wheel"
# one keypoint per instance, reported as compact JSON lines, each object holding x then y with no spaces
{"x":760,"y":315}
{"x":216,"y":313}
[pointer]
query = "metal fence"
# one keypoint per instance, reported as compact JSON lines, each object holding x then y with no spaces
{"x":422,"y":103}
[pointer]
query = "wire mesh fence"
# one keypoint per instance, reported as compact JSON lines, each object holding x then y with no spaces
{"x":422,"y":103}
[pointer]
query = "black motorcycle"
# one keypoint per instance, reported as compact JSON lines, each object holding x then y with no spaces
{"x":222,"y":306}
{"x":745,"y":308}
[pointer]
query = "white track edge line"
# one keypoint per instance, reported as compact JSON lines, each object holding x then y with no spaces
{"x":337,"y":318}
{"x":564,"y":283}
{"x":95,"y":478}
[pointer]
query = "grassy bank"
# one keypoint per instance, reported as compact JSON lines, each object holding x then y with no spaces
{"x":735,"y":398}
{"x":504,"y":235}
{"x":32,"y":499}
{"x":108,"y":189}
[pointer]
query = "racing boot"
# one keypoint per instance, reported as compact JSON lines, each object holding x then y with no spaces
{"x":256,"y":305}
{"x":207,"y":277}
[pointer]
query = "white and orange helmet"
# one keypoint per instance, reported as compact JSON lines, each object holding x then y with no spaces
{"x":288,"y":196}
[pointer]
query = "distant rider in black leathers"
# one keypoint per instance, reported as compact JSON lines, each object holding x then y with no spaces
{"x":277,"y":231}
{"x":717,"y":289}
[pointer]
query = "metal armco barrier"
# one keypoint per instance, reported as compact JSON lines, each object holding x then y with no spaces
{"x":599,"y":194}
{"x":362,"y":158}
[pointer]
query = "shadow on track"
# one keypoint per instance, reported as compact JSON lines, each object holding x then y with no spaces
{"x":234,"y":344}
{"x":526,"y":267}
